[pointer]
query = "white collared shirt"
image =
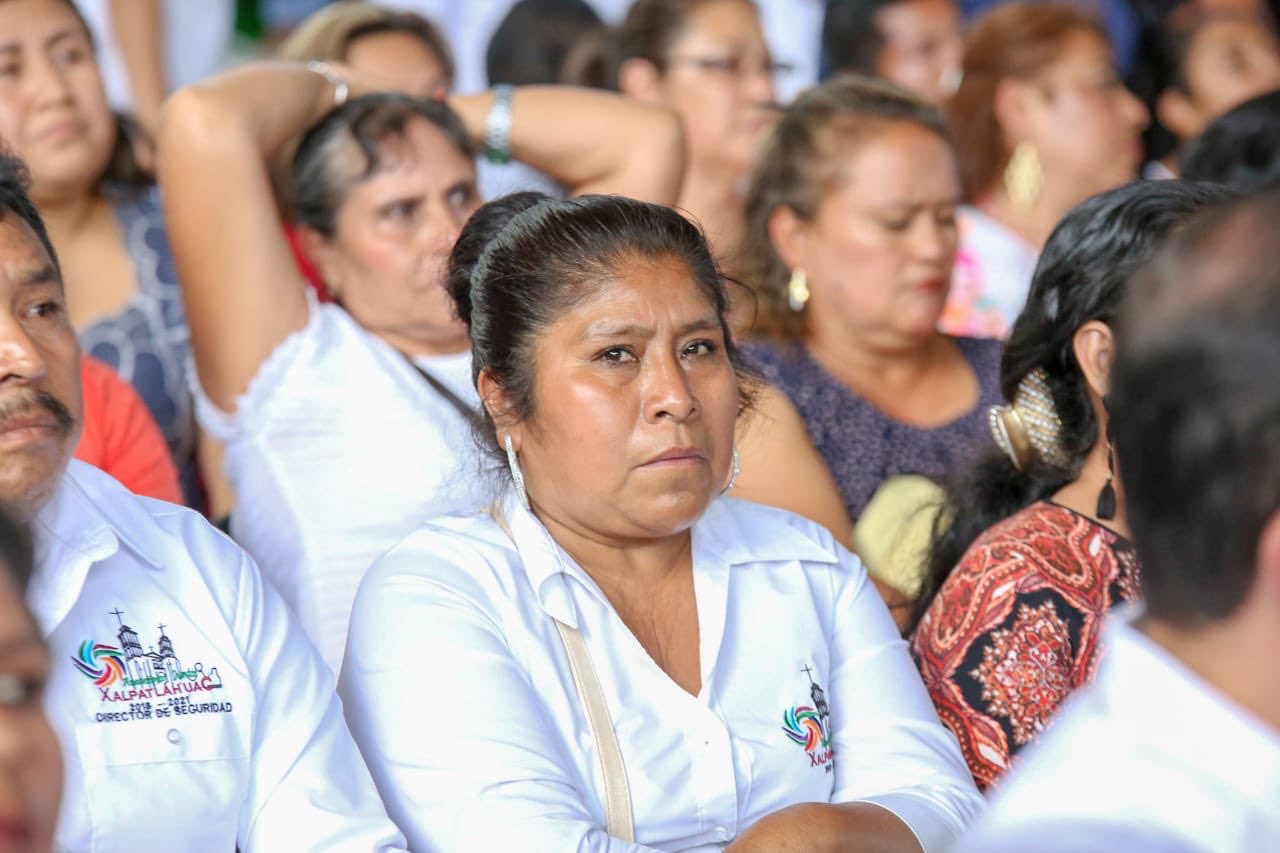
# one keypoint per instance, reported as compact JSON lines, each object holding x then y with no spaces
{"x":1150,"y":758}
{"x":458,"y":691}
{"x":338,"y":450}
{"x":193,"y":713}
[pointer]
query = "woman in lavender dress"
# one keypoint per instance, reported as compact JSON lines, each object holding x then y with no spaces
{"x":851,"y":236}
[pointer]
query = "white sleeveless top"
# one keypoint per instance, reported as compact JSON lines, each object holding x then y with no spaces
{"x":339,"y":449}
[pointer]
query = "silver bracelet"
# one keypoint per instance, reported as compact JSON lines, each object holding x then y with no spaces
{"x":497,"y":126}
{"x":340,"y":88}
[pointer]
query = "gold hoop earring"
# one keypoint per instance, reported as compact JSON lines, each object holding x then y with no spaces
{"x":1024,"y":176}
{"x":798,"y":290}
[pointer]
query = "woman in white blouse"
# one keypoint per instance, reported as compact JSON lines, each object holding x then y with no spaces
{"x":346,"y":425}
{"x":753,"y":690}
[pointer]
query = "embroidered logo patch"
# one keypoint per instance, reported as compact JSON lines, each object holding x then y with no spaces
{"x":810,"y":726}
{"x":152,"y":681}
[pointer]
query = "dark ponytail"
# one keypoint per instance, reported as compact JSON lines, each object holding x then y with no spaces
{"x":1081,"y":276}
{"x":481,"y":229}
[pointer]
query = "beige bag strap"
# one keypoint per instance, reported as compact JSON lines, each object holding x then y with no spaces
{"x":617,"y":793}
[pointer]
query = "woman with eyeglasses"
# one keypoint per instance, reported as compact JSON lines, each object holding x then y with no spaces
{"x":708,"y":61}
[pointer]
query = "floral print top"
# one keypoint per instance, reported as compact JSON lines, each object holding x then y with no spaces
{"x":1014,"y":629}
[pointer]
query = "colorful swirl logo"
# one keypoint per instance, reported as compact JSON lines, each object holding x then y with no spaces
{"x":803,"y":725}
{"x":99,"y":662}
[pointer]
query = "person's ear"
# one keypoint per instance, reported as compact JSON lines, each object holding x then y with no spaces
{"x":1014,"y":105}
{"x":789,"y":235}
{"x":1094,"y":347}
{"x":1178,"y":115}
{"x":495,"y":401}
{"x":321,"y":254}
{"x":640,"y":79}
{"x":1267,"y":569}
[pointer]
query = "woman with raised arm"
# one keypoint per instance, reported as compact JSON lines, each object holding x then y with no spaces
{"x":614,"y":657}
{"x":347,"y":424}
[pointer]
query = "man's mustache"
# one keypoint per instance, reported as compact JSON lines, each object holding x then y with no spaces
{"x":25,"y":402}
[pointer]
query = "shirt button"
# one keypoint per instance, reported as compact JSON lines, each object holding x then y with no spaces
{"x":174,"y":736}
{"x":722,"y":834}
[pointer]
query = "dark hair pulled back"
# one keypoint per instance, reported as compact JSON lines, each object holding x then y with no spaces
{"x":523,"y":260}
{"x":319,"y":185}
{"x":1081,"y":276}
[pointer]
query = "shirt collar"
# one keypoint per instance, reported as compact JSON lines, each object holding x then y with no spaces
{"x":1168,"y":705}
{"x":74,"y":521}
{"x":79,"y":512}
{"x":724,"y":536}
{"x":72,"y":533}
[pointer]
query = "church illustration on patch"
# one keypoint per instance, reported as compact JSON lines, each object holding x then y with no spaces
{"x":151,"y":669}
{"x":142,"y":666}
{"x":809,"y":726}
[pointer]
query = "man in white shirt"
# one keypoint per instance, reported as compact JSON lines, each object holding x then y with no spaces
{"x":1177,"y":746}
{"x":193,"y":714}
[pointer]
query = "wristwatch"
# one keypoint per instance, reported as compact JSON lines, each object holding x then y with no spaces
{"x":497,"y":126}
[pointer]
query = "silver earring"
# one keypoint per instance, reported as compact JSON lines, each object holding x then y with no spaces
{"x":737,"y":469}
{"x":517,"y":476}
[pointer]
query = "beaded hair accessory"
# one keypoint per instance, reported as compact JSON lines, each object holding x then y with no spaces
{"x":1029,"y":427}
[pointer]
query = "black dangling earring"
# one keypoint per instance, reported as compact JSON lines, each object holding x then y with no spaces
{"x":1107,"y":497}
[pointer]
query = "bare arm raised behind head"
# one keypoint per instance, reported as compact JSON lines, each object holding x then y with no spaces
{"x":243,"y":291}
{"x":591,"y":141}
{"x":218,"y":139}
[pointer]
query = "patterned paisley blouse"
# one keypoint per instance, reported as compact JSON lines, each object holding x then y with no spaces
{"x":1014,"y":629}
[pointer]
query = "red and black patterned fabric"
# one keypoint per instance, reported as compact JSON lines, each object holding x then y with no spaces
{"x":1015,"y":628}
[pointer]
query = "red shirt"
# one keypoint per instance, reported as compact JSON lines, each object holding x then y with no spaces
{"x":120,"y":437}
